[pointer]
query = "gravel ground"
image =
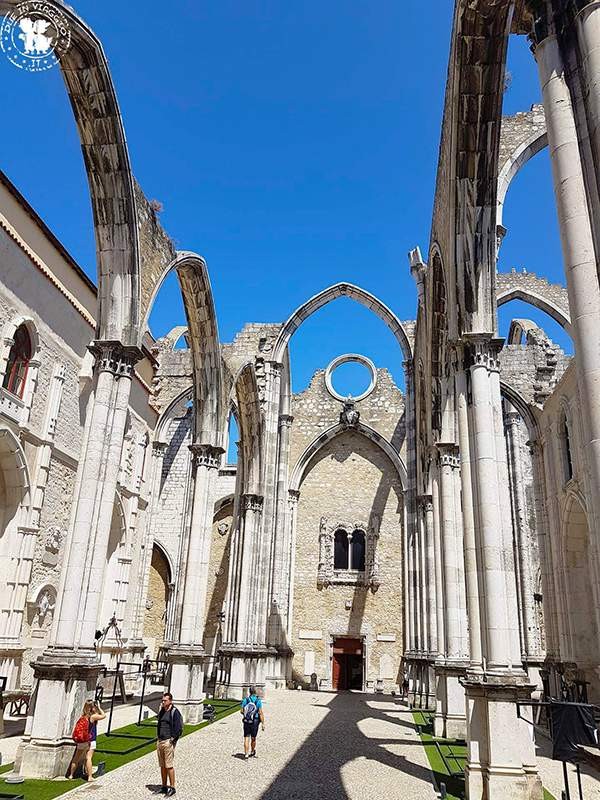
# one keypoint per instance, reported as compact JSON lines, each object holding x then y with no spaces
{"x":317,"y":746}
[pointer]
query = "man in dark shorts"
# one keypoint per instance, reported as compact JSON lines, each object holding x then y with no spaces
{"x":252,"y":715}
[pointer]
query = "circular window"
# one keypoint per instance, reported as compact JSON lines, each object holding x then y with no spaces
{"x":349,"y":376}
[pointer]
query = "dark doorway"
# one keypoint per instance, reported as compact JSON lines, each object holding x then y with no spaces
{"x":347,"y":666}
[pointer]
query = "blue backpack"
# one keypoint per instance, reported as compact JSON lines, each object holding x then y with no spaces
{"x":251,"y":709}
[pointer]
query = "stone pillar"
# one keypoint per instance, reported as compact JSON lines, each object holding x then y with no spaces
{"x":501,"y":754}
{"x":526,"y":580}
{"x":579,"y":254}
{"x":278,"y":623}
{"x":450,"y":700}
{"x":248,"y":656}
{"x":187,"y":656}
{"x":158,"y":455}
{"x":67,"y":671}
{"x":426,"y":503}
{"x":468,"y":516}
{"x":412,"y":609}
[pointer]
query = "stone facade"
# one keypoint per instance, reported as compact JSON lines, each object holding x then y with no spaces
{"x":443,"y":534}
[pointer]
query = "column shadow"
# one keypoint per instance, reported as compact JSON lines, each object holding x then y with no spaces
{"x":314,"y":772}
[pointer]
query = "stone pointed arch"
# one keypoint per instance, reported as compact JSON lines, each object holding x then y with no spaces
{"x":93,"y":99}
{"x":519,"y":328}
{"x":327,"y":296}
{"x":162,"y":426}
{"x":529,"y":414}
{"x":522,"y":153}
{"x":538,"y":292}
{"x":324,"y":438}
{"x":250,"y":429}
{"x":209,"y":417}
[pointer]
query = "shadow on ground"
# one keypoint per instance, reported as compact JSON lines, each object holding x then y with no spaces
{"x":315,"y":771}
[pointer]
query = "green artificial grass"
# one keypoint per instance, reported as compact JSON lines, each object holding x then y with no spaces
{"x":454,"y":752}
{"x":455,"y":755}
{"x":119,"y":748}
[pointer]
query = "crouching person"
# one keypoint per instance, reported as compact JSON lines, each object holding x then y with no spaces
{"x":169,"y":730}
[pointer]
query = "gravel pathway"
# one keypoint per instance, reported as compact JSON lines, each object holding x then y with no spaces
{"x":317,"y":746}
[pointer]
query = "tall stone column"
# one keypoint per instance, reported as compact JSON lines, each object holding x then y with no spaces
{"x":156,"y":467}
{"x":450,"y":700}
{"x":426,"y":505}
{"x":66,"y":673}
{"x":245,"y":650}
{"x":187,"y":656}
{"x":512,"y":423}
{"x":468,"y":517}
{"x":580,"y":251}
{"x":501,"y":755}
{"x":278,"y":623}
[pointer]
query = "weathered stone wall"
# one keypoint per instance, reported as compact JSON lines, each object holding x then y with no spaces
{"x":519,"y":129}
{"x":156,"y":248}
{"x":533,"y":369}
{"x":315,"y":410}
{"x":167,"y":524}
{"x":350,"y":479}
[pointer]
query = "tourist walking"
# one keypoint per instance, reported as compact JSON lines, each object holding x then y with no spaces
{"x":84,"y":735}
{"x":252,"y":716}
{"x":169,"y":729}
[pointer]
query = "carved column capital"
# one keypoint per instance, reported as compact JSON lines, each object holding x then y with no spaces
{"x":158,"y":449}
{"x":206,"y":455}
{"x":512,"y":419}
{"x":275,"y":368}
{"x":448,"y":454}
{"x":115,"y":357}
{"x":293,"y":497}
{"x":253,"y":502}
{"x":425,"y":502}
{"x":285,"y":420}
{"x":483,"y":349}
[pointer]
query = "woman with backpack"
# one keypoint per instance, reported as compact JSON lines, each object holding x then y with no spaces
{"x":252,"y":715}
{"x":84,"y":736}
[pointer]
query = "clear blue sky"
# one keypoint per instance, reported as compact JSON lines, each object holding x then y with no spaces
{"x":292,"y":145}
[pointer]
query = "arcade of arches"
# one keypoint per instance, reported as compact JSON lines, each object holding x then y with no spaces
{"x":444,"y":532}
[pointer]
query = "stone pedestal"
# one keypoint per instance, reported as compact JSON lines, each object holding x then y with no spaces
{"x":66,"y":679}
{"x":248,"y":666}
{"x":186,"y":663}
{"x":450,"y":720}
{"x":501,"y":751}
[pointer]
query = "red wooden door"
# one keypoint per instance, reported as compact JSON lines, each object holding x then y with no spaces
{"x":337,"y":671}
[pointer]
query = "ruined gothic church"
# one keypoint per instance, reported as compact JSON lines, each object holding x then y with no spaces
{"x":444,"y":531}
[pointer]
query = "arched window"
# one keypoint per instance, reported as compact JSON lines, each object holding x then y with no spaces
{"x":566,"y":448}
{"x":18,"y":362}
{"x":357,"y":551}
{"x":340,"y":550}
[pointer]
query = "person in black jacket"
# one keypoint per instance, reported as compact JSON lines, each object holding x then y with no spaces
{"x":169,"y":729}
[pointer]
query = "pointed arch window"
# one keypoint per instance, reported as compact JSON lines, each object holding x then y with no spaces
{"x":340,"y":550}
{"x":18,"y":362}
{"x":357,"y":551}
{"x":567,"y":453}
